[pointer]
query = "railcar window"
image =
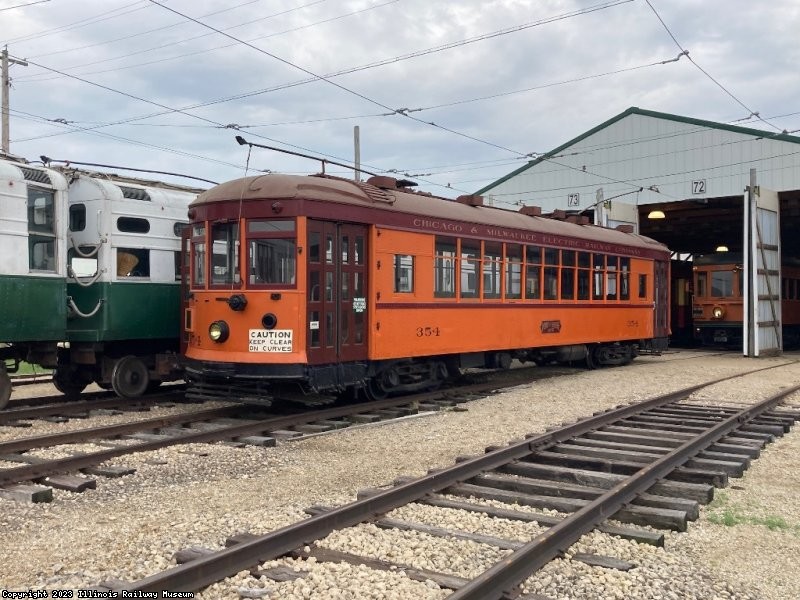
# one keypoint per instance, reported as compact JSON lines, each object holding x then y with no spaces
{"x":701,"y":285}
{"x":740,"y":278}
{"x":133,"y":262}
{"x":624,"y":278}
{"x":358,"y":250}
{"x":643,"y":286}
{"x":513,"y":271}
{"x":599,"y":264}
{"x":272,"y":261}
{"x":133,"y":225}
{"x":568,"y":274}
{"x":178,"y":228}
{"x":403,"y":273}
{"x":358,"y":285}
{"x":611,"y":277}
{"x":82,"y":267}
{"x":41,"y":230}
{"x":313,"y":247}
{"x":721,"y":284}
{"x":198,"y":255}
{"x":314,"y":326}
{"x":533,"y":272}
{"x":492,"y":270}
{"x":269,"y":226}
{"x":345,"y":248}
{"x":551,"y":257}
{"x":329,"y":249}
{"x":77,"y":217}
{"x":470,"y":263}
{"x":225,"y":253}
{"x":444,"y":268}
{"x":584,"y":275}
{"x":345,"y":289}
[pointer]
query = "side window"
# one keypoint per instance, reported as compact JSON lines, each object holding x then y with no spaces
{"x":624,"y":278}
{"x":198,"y":255}
{"x":701,"y":285}
{"x":77,"y":217}
{"x":470,"y":263}
{"x":41,"y":230}
{"x":611,"y":277}
{"x":444,"y":268}
{"x":82,"y":267}
{"x":551,"y":256}
{"x":584,"y":275}
{"x":133,"y":225}
{"x":403,"y":273}
{"x":533,"y":272}
{"x":492,"y":274}
{"x":133,"y":262}
{"x":567,"y":274}
{"x":642,"y":286}
{"x":513,"y":271}
{"x":598,"y":264}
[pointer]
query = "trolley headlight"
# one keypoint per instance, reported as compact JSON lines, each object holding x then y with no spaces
{"x":218,"y":331}
{"x":718,"y":312}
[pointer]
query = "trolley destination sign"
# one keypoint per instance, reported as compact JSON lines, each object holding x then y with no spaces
{"x":522,"y":236}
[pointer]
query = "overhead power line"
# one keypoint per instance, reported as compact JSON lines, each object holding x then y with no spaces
{"x":24,"y":5}
{"x":706,"y":73}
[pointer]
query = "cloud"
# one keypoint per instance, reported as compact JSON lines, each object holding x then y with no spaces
{"x":435,"y":53}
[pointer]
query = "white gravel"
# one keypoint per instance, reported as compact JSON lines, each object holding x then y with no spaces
{"x":129,"y":528}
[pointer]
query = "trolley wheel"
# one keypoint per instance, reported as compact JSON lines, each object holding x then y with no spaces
{"x":374,"y":389}
{"x":67,"y":382}
{"x":130,"y":377}
{"x":5,"y":387}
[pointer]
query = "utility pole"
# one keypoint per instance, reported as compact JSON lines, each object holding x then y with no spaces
{"x":6,"y":90}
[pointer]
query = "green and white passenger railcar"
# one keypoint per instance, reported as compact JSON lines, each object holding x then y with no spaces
{"x":33,"y":212}
{"x":123,"y":283}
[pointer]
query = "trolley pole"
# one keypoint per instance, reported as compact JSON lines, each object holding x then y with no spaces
{"x":6,"y":91}
{"x":357,"y":148}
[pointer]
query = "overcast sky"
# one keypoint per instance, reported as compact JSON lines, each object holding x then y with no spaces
{"x":133,"y":83}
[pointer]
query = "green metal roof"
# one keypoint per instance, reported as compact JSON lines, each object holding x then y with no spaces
{"x":633,"y":110}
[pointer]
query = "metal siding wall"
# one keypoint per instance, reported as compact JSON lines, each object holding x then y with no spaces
{"x":649,"y":151}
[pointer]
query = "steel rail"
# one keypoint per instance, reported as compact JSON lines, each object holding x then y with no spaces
{"x":34,"y":412}
{"x":209,"y":569}
{"x":110,"y":431}
{"x":502,"y":580}
{"x":82,"y":461}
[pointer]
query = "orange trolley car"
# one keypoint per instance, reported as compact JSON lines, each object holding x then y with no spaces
{"x":718,"y":302}
{"x":325,"y":284}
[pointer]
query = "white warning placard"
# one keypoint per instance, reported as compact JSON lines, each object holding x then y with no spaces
{"x":270,"y":340}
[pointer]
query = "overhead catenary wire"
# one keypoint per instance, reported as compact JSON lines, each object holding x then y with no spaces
{"x":706,"y":73}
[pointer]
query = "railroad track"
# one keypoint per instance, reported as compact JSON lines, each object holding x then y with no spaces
{"x":651,"y":463}
{"x":237,"y":424}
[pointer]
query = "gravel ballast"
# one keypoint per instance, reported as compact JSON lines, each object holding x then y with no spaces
{"x":745,"y":545}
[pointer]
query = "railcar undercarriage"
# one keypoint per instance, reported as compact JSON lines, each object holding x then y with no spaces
{"x":262,"y":384}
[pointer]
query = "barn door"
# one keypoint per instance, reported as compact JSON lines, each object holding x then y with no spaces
{"x":337,"y":269}
{"x":661,"y":297}
{"x":762,"y":260}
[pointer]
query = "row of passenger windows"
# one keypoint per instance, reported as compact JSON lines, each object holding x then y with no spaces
{"x":473,"y":269}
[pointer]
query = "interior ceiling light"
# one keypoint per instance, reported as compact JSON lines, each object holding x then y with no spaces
{"x":656,"y":214}
{"x":722,"y":248}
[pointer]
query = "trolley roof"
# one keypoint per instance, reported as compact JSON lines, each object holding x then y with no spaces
{"x":438,"y":213}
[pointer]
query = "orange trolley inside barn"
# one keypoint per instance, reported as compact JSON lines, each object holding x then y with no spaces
{"x":718,"y":302}
{"x":326,"y":284}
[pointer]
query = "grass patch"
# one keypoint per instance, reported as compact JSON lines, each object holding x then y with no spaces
{"x":26,"y":369}
{"x":721,"y":513}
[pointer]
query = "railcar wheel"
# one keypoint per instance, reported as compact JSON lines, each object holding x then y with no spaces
{"x":67,"y":382}
{"x":374,"y":389}
{"x":5,"y":387}
{"x":130,"y":377}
